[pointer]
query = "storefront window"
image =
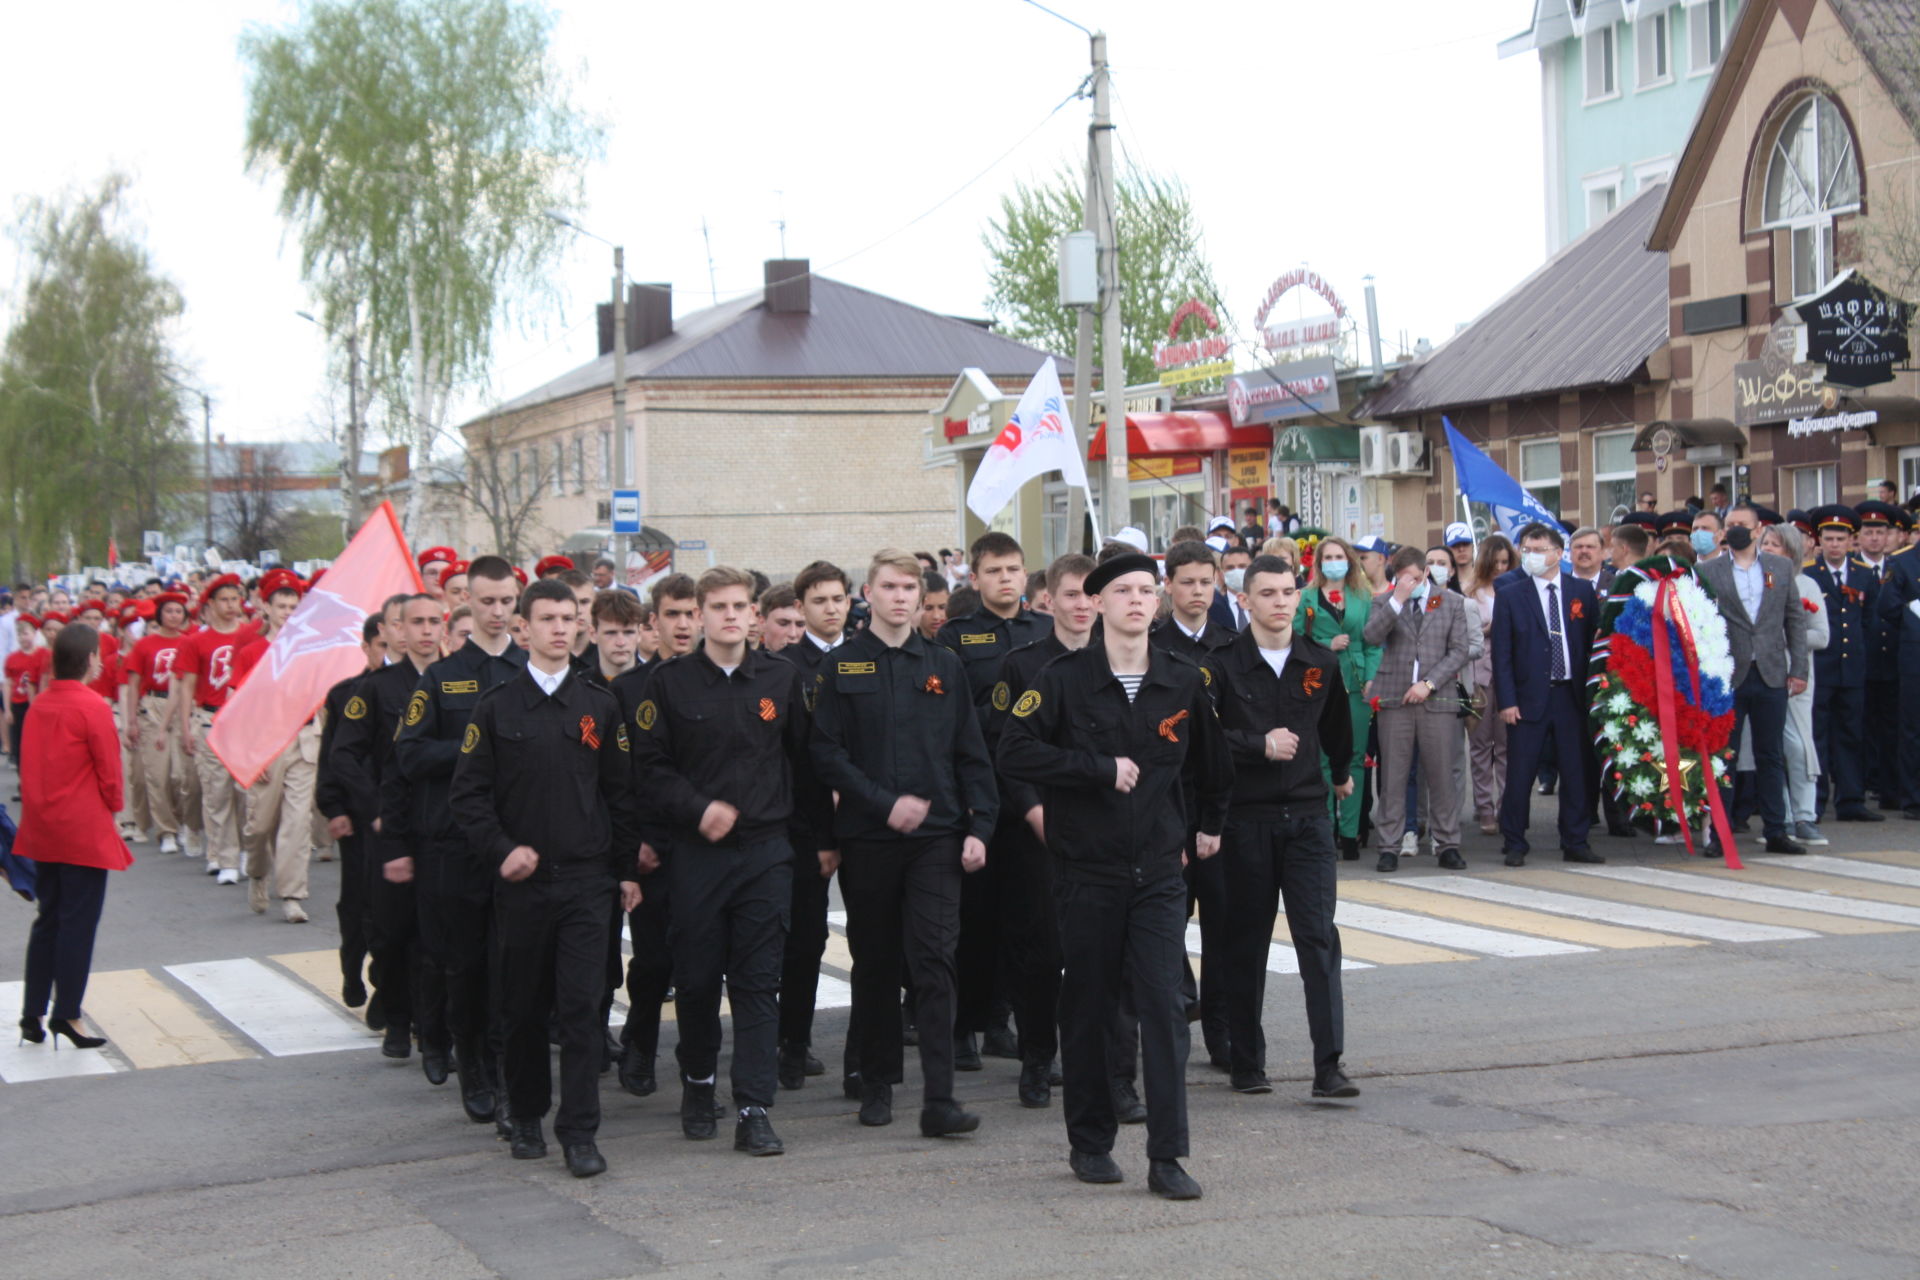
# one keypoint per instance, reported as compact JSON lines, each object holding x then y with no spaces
{"x":1909,"y":471}
{"x":1540,"y":471}
{"x":1613,"y":476}
{"x":1812,"y":486}
{"x":1158,"y":507}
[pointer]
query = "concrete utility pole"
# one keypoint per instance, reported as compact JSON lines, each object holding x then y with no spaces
{"x":622,"y":455}
{"x":1083,"y":362}
{"x":1106,"y":224}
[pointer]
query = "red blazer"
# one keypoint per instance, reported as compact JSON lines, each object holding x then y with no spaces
{"x":70,"y":785}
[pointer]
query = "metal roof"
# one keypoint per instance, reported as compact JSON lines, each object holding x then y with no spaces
{"x":1590,"y":317}
{"x":848,"y":333}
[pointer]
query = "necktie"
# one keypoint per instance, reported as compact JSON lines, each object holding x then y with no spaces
{"x":1556,"y":639}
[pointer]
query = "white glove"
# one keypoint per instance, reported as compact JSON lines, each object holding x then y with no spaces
{"x":1915,"y":606}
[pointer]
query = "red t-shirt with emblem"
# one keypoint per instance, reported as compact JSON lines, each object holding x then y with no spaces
{"x":152,"y":663}
{"x":107,"y":683}
{"x":247,"y":657}
{"x":208,"y":656}
{"x":42,"y":667}
{"x":21,"y":675}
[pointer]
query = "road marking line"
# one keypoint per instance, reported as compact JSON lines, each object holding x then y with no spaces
{"x":20,"y":1063}
{"x":1447,"y":933}
{"x":839,"y":954}
{"x":152,"y":1026}
{"x":1877,"y":872}
{"x":1613,"y":912}
{"x":1281,"y":958}
{"x":1496,"y":915}
{"x":1723,"y":885}
{"x":319,"y":970}
{"x":1702,"y":904}
{"x":277,"y":1013}
{"x":1821,"y":885}
{"x":834,"y":993}
{"x":1377,"y":948}
{"x":1891,"y":857}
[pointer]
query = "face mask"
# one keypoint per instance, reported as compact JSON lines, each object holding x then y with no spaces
{"x":1333,"y":570}
{"x":1534,"y":562}
{"x":1437,"y":574}
{"x":1420,"y":592}
{"x":1739,"y":537}
{"x":1702,"y":540}
{"x":1236,"y":579}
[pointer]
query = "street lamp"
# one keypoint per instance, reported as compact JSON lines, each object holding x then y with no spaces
{"x":350,"y":461}
{"x":206,"y":446}
{"x":622,"y":470}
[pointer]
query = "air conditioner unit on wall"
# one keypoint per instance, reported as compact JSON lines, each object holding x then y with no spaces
{"x":1373,"y":450}
{"x":1407,"y":454}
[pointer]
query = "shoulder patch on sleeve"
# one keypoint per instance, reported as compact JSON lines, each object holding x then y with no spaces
{"x":470,"y":740}
{"x":646,"y":715}
{"x":1206,"y":673}
{"x":620,"y":736}
{"x":1028,"y":704}
{"x":356,"y":708}
{"x":417,"y":707}
{"x":1001,"y":694}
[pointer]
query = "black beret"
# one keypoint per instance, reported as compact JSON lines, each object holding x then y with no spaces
{"x":1120,"y":567}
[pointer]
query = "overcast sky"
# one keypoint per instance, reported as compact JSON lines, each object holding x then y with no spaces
{"x":1379,"y":136}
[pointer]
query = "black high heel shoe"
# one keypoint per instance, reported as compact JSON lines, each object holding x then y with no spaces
{"x":31,"y":1032}
{"x":61,"y":1027}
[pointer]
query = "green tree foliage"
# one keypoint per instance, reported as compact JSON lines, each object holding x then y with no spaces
{"x":418,"y":145}
{"x":1160,"y":264}
{"x":93,"y":442}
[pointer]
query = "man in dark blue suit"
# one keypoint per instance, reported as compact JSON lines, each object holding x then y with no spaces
{"x":1226,"y":612}
{"x":1542,"y":635}
{"x":1840,"y":669}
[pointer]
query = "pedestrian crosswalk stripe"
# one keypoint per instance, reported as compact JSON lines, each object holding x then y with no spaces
{"x":319,"y":970}
{"x":1726,"y":909}
{"x":152,"y":1025}
{"x":834,"y":993}
{"x":1496,"y":915}
{"x":1892,"y":857}
{"x":1446,"y":933}
{"x":1878,"y":871}
{"x":839,"y":954}
{"x":277,"y":1013}
{"x":1623,"y":913}
{"x":1724,"y":885}
{"x":1281,"y":957}
{"x":1818,"y":881}
{"x":1378,"y":949}
{"x":20,"y":1063}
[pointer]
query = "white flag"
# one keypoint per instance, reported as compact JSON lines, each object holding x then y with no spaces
{"x":1039,"y":439}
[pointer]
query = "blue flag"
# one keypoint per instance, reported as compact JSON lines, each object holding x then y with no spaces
{"x":1484,"y":481}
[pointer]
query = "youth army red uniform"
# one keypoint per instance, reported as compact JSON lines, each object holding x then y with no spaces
{"x":208,"y":656}
{"x":158,"y":757}
{"x":277,"y":836}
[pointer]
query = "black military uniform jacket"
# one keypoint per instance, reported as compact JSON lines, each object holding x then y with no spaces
{"x":414,"y":795}
{"x":983,"y":640}
{"x":361,"y":757}
{"x":329,"y":797}
{"x":1167,"y":634}
{"x":1065,"y":735}
{"x":1309,"y":696}
{"x":808,"y":656}
{"x":702,"y":735}
{"x":1017,"y":674}
{"x":893,"y":722}
{"x":1851,"y":623}
{"x":550,"y":771}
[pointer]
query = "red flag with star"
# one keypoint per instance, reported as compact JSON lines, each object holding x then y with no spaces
{"x":318,"y":648}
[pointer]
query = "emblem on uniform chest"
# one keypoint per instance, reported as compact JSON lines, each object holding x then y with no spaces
{"x":933,"y":685}
{"x":767,"y":710}
{"x":587,"y":734}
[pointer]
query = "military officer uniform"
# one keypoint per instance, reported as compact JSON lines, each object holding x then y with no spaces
{"x":1898,"y":609}
{"x":1840,"y":671}
{"x":1883,"y":717}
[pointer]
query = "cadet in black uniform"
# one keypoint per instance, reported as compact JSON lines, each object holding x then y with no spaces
{"x":1898,"y":609}
{"x":720,"y":754}
{"x":1283,"y":706}
{"x":895,"y":736}
{"x":1840,"y":669}
{"x":1107,"y":733}
{"x":330,"y":800}
{"x":453,"y":885}
{"x":361,"y":757}
{"x":983,"y":639}
{"x":544,"y":793}
{"x":1882,"y":721}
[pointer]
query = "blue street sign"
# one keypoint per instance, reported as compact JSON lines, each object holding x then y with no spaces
{"x":626,"y":511}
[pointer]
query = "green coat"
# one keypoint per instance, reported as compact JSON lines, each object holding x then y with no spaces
{"x":1359,"y":660}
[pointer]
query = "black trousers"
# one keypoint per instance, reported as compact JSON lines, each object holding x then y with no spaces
{"x":393,"y":934}
{"x":551,"y":939}
{"x":19,"y":727}
{"x":650,"y":970}
{"x":1115,"y":937}
{"x":1207,"y":889}
{"x":1884,"y":718}
{"x":1290,"y":861}
{"x":1758,"y":703}
{"x":1839,"y":716}
{"x":1906,"y":777}
{"x":453,"y":893}
{"x":60,"y":943}
{"x":1032,"y":939}
{"x":805,"y":948}
{"x":352,"y":909}
{"x":730,"y":906}
{"x":1564,"y":726}
{"x":977,"y":955}
{"x":903,"y":902}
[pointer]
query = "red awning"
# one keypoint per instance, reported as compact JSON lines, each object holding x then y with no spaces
{"x":1201,"y":431}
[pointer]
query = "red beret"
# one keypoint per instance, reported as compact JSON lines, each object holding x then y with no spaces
{"x":314,"y":579}
{"x":520,"y":574}
{"x":444,"y":555}
{"x":223,"y":581}
{"x":455,"y":569}
{"x":29,"y":619}
{"x":54,"y":615}
{"x":170,"y":597}
{"x":90,"y":606}
{"x":552,"y":564}
{"x":275,"y":580}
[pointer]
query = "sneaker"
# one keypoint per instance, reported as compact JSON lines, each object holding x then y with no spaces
{"x":1670,"y":837}
{"x":753,"y":1134}
{"x":229,"y":876}
{"x":1807,"y":833}
{"x":256,"y":894}
{"x":295,"y":913}
{"x":169,"y":845}
{"x":1410,"y":845}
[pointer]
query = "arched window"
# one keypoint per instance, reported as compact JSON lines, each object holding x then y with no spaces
{"x":1813,"y":173}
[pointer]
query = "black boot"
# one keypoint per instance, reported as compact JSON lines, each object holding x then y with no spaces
{"x":876,"y":1104}
{"x":636,"y":1071}
{"x":476,"y":1081}
{"x":1034,"y":1090}
{"x":753,"y":1133}
{"x":945,"y":1119}
{"x":528,"y":1144}
{"x":966,"y":1053}
{"x":434,"y":1063}
{"x":1350,"y":848}
{"x":793,"y":1065}
{"x":696,"y":1110}
{"x":396,"y":1043}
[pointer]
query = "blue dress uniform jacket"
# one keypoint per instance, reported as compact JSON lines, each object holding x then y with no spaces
{"x":1844,"y":663}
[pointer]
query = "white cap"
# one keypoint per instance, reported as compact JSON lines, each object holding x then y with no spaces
{"x":1219,"y":522}
{"x":1457,"y":532}
{"x":1219,"y":544}
{"x":1132,"y":537}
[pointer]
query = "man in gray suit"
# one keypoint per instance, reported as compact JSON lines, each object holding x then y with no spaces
{"x":1767,"y":633}
{"x":1423,"y":632}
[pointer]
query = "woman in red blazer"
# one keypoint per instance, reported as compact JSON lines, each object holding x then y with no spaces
{"x":70,"y":787}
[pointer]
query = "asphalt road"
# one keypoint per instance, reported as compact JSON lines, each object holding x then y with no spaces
{"x":1562,"y":1087}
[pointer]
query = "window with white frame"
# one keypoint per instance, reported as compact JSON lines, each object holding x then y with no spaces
{"x":1813,"y":173}
{"x":1613,"y":476}
{"x":1709,"y":476}
{"x":1603,"y":73}
{"x":1908,"y":471}
{"x":1812,"y":486}
{"x":1706,"y":36}
{"x":1653,"y":43}
{"x":1540,"y":471}
{"x":606,"y":456}
{"x":559,"y":467}
{"x":579,"y":464}
{"x":1603,"y":195}
{"x":1650,"y":173}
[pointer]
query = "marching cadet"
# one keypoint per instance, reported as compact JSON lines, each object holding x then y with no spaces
{"x":1033,"y":934}
{"x":614,"y":640}
{"x":203,"y":683}
{"x":983,"y":639}
{"x":1840,"y":669}
{"x":1898,"y":609}
{"x":1283,"y":707}
{"x":453,"y":889}
{"x":544,"y":793}
{"x":1107,"y":733}
{"x":331,"y":802}
{"x":360,"y":758}
{"x":157,"y":751}
{"x":278,"y":833}
{"x":895,"y":736}
{"x":720,"y":753}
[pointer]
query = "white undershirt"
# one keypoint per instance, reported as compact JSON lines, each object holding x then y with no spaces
{"x":1276,"y":658}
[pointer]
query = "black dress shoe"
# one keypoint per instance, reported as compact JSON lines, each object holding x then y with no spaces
{"x":696,"y":1110}
{"x":397,"y":1043}
{"x":636,"y":1072}
{"x":850,"y":1086}
{"x":945,"y":1119}
{"x":1251,"y":1082}
{"x":1166,"y":1179}
{"x":528,"y":1144}
{"x":1452,"y":861}
{"x":1620,"y":830}
{"x":584,"y":1159}
{"x":1780,"y":844}
{"x":476,"y":1083}
{"x":966,"y":1053}
{"x":353,"y":992}
{"x":1859,"y":815}
{"x":1349,"y":848}
{"x":1388,"y":862}
{"x":376,"y":1013}
{"x":1096,"y":1167}
{"x":999,"y":1042}
{"x":793,"y":1065}
{"x":1515,"y":857}
{"x":1712,"y":849}
{"x":814,"y":1067}
{"x":1034,"y":1090}
{"x":753,"y":1133}
{"x":433,"y":1062}
{"x":1546,"y":788}
{"x":876,"y":1105}
{"x":1127,"y":1107}
{"x":1911,"y":812}
{"x":1581,"y":855}
{"x":1333,"y":1083}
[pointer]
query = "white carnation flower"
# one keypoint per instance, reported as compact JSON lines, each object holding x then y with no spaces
{"x":1647,"y":731}
{"x":1620,"y":704}
{"x":1641,"y":786}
